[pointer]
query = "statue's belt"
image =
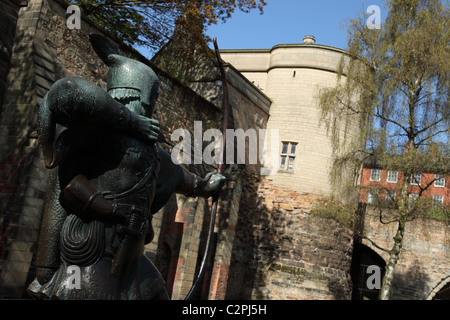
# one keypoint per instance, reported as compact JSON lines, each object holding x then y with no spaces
{"x":132,"y":220}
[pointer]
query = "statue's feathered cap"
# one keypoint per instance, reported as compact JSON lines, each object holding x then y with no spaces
{"x":125,"y":73}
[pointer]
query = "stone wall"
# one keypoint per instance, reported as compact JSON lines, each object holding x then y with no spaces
{"x":9,"y":10}
{"x":22,"y":185}
{"x":424,"y":262}
{"x":280,"y":252}
{"x":45,"y":51}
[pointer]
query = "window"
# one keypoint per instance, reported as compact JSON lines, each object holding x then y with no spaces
{"x":288,"y":156}
{"x":390,"y":195}
{"x":415,"y":178}
{"x":392,"y":176}
{"x":375,"y":175}
{"x":439,"y":180}
{"x":372,"y":196}
{"x":438,"y":201}
{"x":412,"y":199}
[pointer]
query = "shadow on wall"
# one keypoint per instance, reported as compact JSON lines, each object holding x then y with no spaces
{"x":257,"y":244}
{"x":281,"y":253}
{"x":414,"y":284}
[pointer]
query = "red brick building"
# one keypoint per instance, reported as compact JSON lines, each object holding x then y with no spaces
{"x":386,"y":184}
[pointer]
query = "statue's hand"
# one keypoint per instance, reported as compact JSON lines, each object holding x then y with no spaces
{"x":146,"y":128}
{"x":213,"y":184}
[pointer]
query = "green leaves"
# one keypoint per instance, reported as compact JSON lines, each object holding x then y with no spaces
{"x":151,"y":23}
{"x":397,"y":80}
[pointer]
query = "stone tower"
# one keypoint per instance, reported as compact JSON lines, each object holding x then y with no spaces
{"x":299,"y":150}
{"x":285,"y":244}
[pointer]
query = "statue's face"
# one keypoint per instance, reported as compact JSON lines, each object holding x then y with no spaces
{"x":150,"y":106}
{"x":136,"y":106}
{"x":130,"y":98}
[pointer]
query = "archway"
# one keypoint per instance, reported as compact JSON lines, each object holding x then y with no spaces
{"x":364,"y":262}
{"x":442,"y":290}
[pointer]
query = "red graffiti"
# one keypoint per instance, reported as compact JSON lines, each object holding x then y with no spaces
{"x":9,"y":173}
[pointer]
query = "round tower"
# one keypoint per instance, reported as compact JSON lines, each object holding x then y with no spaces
{"x":313,"y":255}
{"x":298,"y":152}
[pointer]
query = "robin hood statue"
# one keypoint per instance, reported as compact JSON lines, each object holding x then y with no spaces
{"x":107,"y":179}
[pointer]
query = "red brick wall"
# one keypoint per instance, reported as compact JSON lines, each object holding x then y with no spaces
{"x":383,"y":183}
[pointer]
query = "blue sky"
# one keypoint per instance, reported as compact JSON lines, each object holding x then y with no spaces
{"x":288,"y":21}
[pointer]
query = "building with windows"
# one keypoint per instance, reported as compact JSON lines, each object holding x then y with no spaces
{"x":378,"y":183}
{"x":298,"y":147}
{"x":297,"y":172}
{"x":265,"y":245}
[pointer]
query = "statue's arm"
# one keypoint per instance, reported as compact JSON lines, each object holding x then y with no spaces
{"x":47,"y":256}
{"x":188,"y":183}
{"x":75,"y":101}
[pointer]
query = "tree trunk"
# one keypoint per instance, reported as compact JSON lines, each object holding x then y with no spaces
{"x":385,"y":292}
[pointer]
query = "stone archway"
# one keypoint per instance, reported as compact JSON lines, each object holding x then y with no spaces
{"x":443,"y":284}
{"x":363,"y":258}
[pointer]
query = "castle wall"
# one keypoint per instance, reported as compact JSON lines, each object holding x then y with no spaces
{"x":45,"y":51}
{"x":282,"y":253}
{"x":424,"y":262}
{"x":9,"y":11}
{"x":292,"y":255}
{"x":22,"y":186}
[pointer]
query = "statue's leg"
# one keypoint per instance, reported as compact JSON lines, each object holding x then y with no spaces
{"x":151,"y":283}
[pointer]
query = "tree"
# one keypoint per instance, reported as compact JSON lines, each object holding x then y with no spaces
{"x":396,"y":79}
{"x":151,"y":22}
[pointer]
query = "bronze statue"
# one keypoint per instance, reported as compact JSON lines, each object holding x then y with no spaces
{"x":107,"y":179}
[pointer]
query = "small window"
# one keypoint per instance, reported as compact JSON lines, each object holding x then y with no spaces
{"x":392,"y":176}
{"x":287,"y":157}
{"x":438,"y":201}
{"x":390,"y":195}
{"x":373,"y":196}
{"x":375,"y":175}
{"x":439,"y":180}
{"x":416,"y":178}
{"x":412,"y":199}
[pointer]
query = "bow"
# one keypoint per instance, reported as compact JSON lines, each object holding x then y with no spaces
{"x":215,"y":199}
